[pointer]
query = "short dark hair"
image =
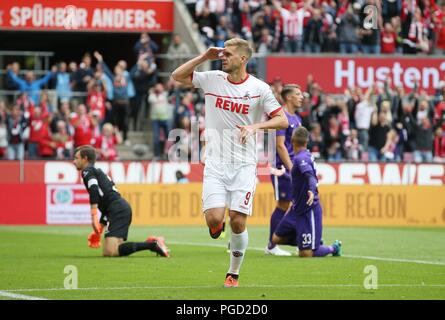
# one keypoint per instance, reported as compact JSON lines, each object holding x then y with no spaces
{"x":300,"y":136}
{"x":288,"y":89}
{"x":87,"y":151}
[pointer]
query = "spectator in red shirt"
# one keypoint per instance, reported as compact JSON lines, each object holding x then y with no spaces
{"x":440,"y":45}
{"x":439,"y":114}
{"x":388,"y":39}
{"x":439,"y":145}
{"x":64,"y":142}
{"x":107,"y":141}
{"x":97,"y":98}
{"x":47,"y":145}
{"x":16,"y":124}
{"x":25,"y":103}
{"x":414,"y":31}
{"x":316,"y":141}
{"x":83,"y":125}
{"x":38,"y":120}
{"x":45,"y":103}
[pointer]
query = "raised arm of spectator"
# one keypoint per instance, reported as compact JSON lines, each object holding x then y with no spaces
{"x":368,"y":94}
{"x":387,"y":89}
{"x":413,"y":94}
{"x":277,"y":5}
{"x":20,"y":82}
{"x":43,"y":81}
{"x":100,"y":60}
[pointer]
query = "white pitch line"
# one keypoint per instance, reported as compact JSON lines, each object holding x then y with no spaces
{"x":296,"y":286}
{"x":8,"y":294}
{"x":438,"y":263}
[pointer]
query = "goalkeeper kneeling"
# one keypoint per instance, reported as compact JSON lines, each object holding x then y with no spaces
{"x":116,"y":211}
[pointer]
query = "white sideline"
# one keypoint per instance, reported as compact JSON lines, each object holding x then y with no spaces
{"x":391,"y":285}
{"x":438,"y":263}
{"x":8,"y":294}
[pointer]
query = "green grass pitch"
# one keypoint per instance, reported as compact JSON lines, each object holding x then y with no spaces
{"x":410,"y":265}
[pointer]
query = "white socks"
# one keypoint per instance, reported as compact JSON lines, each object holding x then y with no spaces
{"x":238,"y":246}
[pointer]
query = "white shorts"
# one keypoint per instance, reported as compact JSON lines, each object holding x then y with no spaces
{"x":229,"y":185}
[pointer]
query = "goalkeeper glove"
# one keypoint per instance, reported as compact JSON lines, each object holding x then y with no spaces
{"x":94,"y":240}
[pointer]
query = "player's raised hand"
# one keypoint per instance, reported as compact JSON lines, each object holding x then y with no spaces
{"x":246,"y":132}
{"x":311,"y":198}
{"x":214,"y":53}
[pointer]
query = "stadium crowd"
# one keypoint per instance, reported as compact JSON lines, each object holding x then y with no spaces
{"x":312,"y":26}
{"x":97,"y":105}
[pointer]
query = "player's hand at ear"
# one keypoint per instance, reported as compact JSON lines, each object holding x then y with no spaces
{"x":311,"y":198}
{"x":214,"y":53}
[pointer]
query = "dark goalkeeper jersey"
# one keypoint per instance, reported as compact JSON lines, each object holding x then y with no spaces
{"x":100,"y":187}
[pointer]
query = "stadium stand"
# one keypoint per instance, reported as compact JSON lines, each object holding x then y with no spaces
{"x":45,"y":114}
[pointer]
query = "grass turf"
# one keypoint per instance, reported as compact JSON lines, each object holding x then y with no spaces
{"x":410,"y":264}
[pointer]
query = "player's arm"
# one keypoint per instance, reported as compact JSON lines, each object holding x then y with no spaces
{"x":283,"y":153}
{"x":93,"y":190}
{"x":278,"y":120}
{"x":183,"y":74}
{"x":97,"y":227}
{"x":94,"y":237}
{"x":312,"y":182}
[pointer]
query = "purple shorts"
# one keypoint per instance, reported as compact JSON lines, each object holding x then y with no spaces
{"x":282,"y":187}
{"x":302,"y":230}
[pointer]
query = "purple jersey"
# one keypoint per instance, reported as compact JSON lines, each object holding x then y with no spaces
{"x":303,"y":162}
{"x":294,"y":122}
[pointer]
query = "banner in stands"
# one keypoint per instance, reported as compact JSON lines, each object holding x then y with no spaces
{"x":145,"y":172}
{"x":87,"y":15}
{"x":335,"y":74}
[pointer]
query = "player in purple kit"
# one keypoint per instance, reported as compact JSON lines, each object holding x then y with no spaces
{"x":302,"y":225}
{"x":293,"y":98}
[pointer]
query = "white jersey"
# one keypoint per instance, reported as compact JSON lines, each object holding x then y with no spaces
{"x":227,"y":105}
{"x":292,"y":23}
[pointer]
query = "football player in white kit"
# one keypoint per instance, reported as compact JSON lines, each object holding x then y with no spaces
{"x":234,"y":103}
